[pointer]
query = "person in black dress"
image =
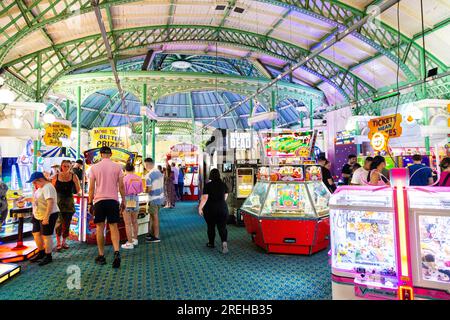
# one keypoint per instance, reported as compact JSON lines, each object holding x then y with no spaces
{"x":214,"y":209}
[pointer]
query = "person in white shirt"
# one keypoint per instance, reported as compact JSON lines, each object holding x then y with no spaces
{"x":360,"y":175}
{"x":45,"y":214}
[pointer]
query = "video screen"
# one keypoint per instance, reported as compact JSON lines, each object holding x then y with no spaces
{"x":227,"y":167}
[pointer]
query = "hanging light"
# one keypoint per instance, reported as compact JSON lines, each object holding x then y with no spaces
{"x":49,"y":118}
{"x":7,"y":96}
{"x":157,"y":130}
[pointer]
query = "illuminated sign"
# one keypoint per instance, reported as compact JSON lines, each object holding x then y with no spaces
{"x":109,"y":137}
{"x":345,"y":137}
{"x":291,"y":144}
{"x":121,"y":156}
{"x":240,"y":140}
{"x":57,"y":131}
{"x":389,"y":124}
{"x":379,"y":141}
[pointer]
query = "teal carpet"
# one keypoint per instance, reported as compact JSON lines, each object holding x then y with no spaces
{"x":179,"y":267}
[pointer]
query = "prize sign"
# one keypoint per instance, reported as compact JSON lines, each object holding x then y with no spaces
{"x":108,"y":137}
{"x":292,"y":144}
{"x":240,"y":140}
{"x":56,"y":131}
{"x":379,"y":141}
{"x":389,"y":124}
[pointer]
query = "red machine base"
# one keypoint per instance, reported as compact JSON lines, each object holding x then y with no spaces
{"x":288,"y":236}
{"x":10,"y":253}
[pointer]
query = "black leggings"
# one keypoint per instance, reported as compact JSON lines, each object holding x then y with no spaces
{"x":219,"y":220}
{"x":64,"y":226}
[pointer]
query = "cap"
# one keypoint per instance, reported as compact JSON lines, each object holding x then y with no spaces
{"x":105,"y":150}
{"x":36,"y":175}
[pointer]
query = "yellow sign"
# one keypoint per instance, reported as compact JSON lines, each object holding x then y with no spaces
{"x":56,"y":131}
{"x":389,"y":124}
{"x":109,"y":137}
{"x":379,"y":141}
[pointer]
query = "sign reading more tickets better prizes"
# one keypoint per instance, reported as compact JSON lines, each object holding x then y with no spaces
{"x":108,"y":137}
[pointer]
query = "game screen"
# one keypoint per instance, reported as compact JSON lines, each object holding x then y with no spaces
{"x":435,"y":248}
{"x":293,"y":144}
{"x":227,"y":167}
{"x":288,"y":197}
{"x":244,"y":179}
{"x":363,"y":240}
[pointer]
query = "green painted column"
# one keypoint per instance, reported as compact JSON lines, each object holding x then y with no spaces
{"x":67,"y":109}
{"x":153,"y":140}
{"x":426,"y":122}
{"x":301,"y":119}
{"x":36,"y":143}
{"x":272,"y":108}
{"x":144,"y":123}
{"x":78,"y":122}
{"x":358,"y":146}
{"x":311,"y":117}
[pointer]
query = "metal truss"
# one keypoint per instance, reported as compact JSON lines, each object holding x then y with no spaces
{"x":89,"y":50}
{"x":62,"y":58}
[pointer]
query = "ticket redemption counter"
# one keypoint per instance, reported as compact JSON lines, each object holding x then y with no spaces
{"x":287,"y":211}
{"x":390,"y":243}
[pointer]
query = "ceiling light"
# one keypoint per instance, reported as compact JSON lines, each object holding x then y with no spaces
{"x":49,"y":118}
{"x":181,"y":64}
{"x":263,"y":116}
{"x":7,"y":96}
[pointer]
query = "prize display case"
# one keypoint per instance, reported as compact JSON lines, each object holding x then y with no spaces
{"x":287,"y":211}
{"x":390,"y":243}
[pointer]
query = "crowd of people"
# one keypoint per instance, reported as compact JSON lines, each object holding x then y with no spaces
{"x":54,"y":204}
{"x":375,"y":173}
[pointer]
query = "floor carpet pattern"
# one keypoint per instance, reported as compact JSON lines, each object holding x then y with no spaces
{"x":179,"y":267}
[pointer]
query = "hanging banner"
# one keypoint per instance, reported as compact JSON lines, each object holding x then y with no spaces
{"x":56,"y":132}
{"x":290,"y":144}
{"x":109,"y":137}
{"x":388,"y":124}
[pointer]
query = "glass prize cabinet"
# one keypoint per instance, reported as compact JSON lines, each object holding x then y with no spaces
{"x":287,"y":211}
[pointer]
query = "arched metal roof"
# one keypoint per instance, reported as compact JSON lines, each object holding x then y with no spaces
{"x":43,"y":40}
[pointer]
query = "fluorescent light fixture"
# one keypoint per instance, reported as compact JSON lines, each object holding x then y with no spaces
{"x":263,"y":116}
{"x":7,"y":96}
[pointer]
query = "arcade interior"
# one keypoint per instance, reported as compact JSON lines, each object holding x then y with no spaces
{"x":329,"y":122}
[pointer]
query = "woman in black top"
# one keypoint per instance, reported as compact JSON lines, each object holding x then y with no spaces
{"x":65,"y":184}
{"x":214,"y":208}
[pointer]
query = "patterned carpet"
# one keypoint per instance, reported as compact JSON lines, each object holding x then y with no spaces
{"x":179,"y":267}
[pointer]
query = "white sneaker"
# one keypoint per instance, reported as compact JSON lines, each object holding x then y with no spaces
{"x":224,"y":247}
{"x":127,"y":246}
{"x":135,"y":242}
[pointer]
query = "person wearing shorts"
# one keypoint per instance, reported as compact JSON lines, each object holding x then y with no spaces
{"x":133,"y":187}
{"x":105,"y":182}
{"x":45,"y":214}
{"x":155,"y":189}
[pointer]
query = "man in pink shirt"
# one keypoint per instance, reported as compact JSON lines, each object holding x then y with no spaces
{"x":105,"y":182}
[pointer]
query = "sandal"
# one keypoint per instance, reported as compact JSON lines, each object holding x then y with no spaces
{"x":58,"y":247}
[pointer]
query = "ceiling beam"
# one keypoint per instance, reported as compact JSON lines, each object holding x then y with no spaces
{"x":280,"y":21}
{"x":229,"y":8}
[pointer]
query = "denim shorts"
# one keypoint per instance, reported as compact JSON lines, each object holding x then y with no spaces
{"x":132,"y":198}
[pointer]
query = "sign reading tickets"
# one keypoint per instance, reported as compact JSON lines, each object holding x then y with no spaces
{"x":108,"y":137}
{"x":56,"y":131}
{"x":388,"y":124}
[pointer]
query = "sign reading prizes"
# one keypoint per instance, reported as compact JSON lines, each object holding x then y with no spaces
{"x":108,"y":137}
{"x":56,"y":132}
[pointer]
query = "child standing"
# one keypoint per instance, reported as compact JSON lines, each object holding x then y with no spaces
{"x":133,"y":187}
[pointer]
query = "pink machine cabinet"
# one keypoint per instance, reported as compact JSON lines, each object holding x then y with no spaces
{"x":390,"y":242}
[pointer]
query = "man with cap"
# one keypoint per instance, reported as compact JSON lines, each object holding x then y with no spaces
{"x":45,"y":214}
{"x":105,"y":183}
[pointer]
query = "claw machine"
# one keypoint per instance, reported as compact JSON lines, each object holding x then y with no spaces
{"x":390,"y":242}
{"x":287,"y":211}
